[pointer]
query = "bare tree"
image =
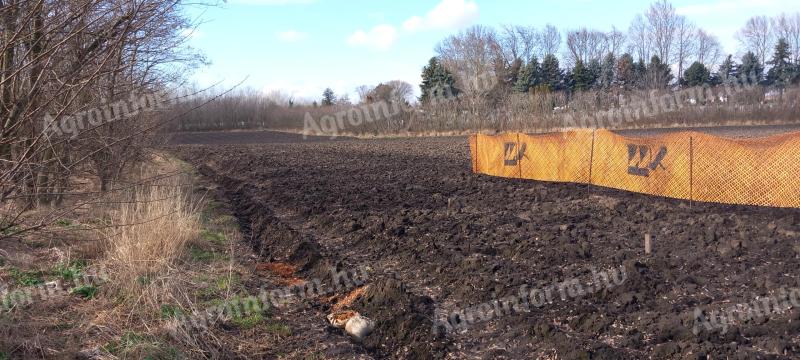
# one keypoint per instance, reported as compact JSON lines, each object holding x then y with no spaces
{"x":395,"y":90}
{"x":685,"y":43}
{"x":471,"y":55}
{"x":639,"y":39}
{"x":363,"y":91}
{"x":72,"y":78}
{"x":344,"y":100}
{"x":518,"y":42}
{"x":757,"y":36}
{"x":549,"y":41}
{"x":615,"y":40}
{"x":787,"y":27}
{"x":662,"y":24}
{"x":277,"y":97}
{"x":585,"y":45}
{"x":402,"y":90}
{"x":708,"y":48}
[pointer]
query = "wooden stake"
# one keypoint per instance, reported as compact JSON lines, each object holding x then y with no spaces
{"x":648,"y":244}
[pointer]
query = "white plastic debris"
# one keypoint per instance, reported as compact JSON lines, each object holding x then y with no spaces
{"x":359,"y":327}
{"x":353,"y":323}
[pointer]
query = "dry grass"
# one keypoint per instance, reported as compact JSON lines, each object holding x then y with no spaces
{"x":168,"y":252}
{"x":150,"y":231}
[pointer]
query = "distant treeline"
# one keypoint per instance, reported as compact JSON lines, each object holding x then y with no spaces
{"x":527,"y":78}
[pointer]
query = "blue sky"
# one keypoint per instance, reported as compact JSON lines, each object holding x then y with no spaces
{"x":302,"y":46}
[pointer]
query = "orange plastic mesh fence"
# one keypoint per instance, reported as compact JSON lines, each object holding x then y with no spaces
{"x":563,"y":157}
{"x":763,"y":171}
{"x":656,"y":165}
{"x":682,"y":165}
{"x":495,"y":155}
{"x":473,"y":150}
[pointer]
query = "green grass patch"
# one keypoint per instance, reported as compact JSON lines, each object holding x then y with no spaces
{"x":208,"y":291}
{"x":144,"y":280}
{"x":169,"y":311}
{"x":133,"y":345}
{"x":231,"y":282}
{"x":63,"y":326}
{"x":216,"y":287}
{"x":201,"y":255}
{"x":243,"y":312}
{"x":15,"y":299}
{"x":64,"y":222}
{"x":131,"y":339}
{"x":213,"y":205}
{"x":213,"y":236}
{"x":68,"y":224}
{"x":85,"y":291}
{"x":69,"y":271}
{"x":279,"y":329}
{"x":208,"y":212}
{"x":111,"y":347}
{"x":126,"y":342}
{"x":247,"y":321}
{"x":9,"y":230}
{"x":26,"y":278}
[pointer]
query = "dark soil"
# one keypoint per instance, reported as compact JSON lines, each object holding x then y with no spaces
{"x":436,"y":236}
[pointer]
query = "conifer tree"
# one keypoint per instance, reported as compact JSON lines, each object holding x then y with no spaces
{"x":728,"y":70}
{"x":658,"y":74}
{"x":437,"y":82}
{"x":524,"y":79}
{"x":606,"y":78}
{"x":782,"y":72}
{"x":551,"y":75}
{"x":626,"y":71}
{"x":696,"y":75}
{"x":582,"y":77}
{"x":328,"y":97}
{"x":751,"y":68}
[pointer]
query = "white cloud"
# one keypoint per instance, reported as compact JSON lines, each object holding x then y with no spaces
{"x":380,"y":37}
{"x":290,"y":36}
{"x":447,"y":15}
{"x":272,"y":2}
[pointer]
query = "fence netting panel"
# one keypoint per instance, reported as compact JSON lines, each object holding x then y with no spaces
{"x":682,"y":165}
